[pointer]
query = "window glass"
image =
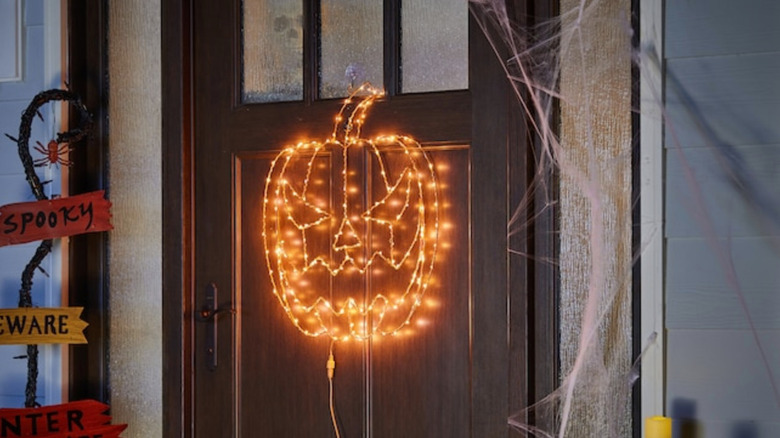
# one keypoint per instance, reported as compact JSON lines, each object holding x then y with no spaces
{"x":434,"y":45}
{"x":273,"y":50}
{"x":351,"y":50}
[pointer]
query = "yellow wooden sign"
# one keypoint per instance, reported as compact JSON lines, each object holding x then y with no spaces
{"x":37,"y":325}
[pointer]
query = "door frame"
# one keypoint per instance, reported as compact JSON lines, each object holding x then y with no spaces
{"x":87,"y":72}
{"x":539,"y":304}
{"x":177,"y":213}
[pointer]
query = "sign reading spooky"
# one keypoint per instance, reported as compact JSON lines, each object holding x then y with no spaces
{"x":48,"y":219}
{"x":36,"y":325}
{"x":80,"y":419}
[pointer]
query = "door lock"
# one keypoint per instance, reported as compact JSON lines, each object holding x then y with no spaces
{"x":210,"y":313}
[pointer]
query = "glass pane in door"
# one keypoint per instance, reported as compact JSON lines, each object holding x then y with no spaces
{"x":351,"y":47}
{"x":434,"y":45}
{"x":273,"y":50}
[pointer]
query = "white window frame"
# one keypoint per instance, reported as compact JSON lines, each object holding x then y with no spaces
{"x":12,"y":22}
{"x":651,"y":206}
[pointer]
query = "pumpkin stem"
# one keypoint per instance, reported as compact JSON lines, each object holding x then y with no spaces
{"x":347,"y":128}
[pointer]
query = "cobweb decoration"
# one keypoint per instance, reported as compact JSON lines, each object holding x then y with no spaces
{"x":576,"y":68}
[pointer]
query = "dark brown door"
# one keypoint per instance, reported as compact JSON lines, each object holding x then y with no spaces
{"x":459,"y":366}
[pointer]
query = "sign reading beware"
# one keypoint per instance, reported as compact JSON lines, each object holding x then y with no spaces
{"x":52,"y":218}
{"x":36,"y":325}
{"x":80,"y":419}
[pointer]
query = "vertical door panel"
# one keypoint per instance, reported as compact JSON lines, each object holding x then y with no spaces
{"x":281,"y":374}
{"x":420,"y":379}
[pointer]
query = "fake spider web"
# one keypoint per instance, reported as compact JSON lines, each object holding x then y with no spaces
{"x":578,"y":67}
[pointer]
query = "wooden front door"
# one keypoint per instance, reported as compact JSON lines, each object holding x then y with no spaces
{"x":459,"y":367}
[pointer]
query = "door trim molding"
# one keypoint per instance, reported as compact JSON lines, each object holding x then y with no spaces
{"x":87,"y":70}
{"x":651,"y":299}
{"x":177,"y":217}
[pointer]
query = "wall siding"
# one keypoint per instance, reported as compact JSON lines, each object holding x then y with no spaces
{"x":722,"y":217}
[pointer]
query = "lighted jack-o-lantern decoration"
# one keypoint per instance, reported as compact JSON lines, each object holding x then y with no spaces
{"x":350,"y":228}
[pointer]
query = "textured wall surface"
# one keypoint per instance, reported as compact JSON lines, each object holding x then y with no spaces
{"x":135,"y":190}
{"x":595,"y":259}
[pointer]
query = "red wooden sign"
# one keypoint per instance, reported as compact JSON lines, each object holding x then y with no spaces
{"x":80,"y":419}
{"x":49,"y":219}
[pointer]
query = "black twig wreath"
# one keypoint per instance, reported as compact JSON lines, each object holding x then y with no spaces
{"x":44,"y":248}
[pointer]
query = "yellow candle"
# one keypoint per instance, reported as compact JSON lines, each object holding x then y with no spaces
{"x":658,"y":427}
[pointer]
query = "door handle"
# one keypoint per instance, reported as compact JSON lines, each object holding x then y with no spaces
{"x":206,"y":315}
{"x":210,"y":313}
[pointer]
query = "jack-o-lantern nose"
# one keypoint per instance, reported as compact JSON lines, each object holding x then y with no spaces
{"x":346,"y":238}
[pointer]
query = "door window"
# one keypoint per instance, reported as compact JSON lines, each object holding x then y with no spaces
{"x":411,"y":46}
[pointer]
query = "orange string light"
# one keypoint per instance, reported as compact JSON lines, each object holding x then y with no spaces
{"x":298,"y":218}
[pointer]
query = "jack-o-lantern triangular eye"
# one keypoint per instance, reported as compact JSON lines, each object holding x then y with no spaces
{"x":394,"y":203}
{"x":300,"y":211}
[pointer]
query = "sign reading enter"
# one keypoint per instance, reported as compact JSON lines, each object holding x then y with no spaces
{"x":36,"y":325}
{"x":79,"y":419}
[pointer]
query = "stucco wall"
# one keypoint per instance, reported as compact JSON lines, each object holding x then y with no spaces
{"x":135,"y":250}
{"x":595,"y":215}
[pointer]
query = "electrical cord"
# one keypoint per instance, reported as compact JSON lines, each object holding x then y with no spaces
{"x":331,"y":367}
